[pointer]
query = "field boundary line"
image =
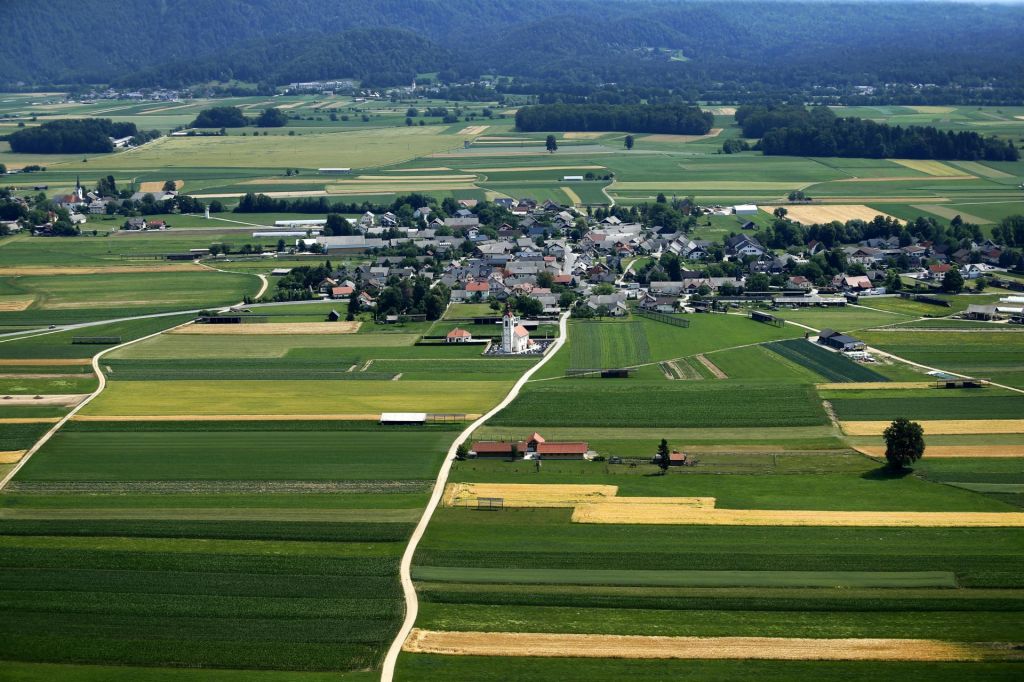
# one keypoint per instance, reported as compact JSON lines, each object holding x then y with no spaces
{"x":405,"y":570}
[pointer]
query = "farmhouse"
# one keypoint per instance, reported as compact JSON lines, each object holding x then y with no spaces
{"x":536,"y":446}
{"x":458,"y":335}
{"x":834,"y":339}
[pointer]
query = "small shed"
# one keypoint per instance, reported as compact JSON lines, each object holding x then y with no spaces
{"x":333,"y":316}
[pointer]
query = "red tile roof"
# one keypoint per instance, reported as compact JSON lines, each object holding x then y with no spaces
{"x":478,"y":286}
{"x":562,"y":448}
{"x":459,"y":333}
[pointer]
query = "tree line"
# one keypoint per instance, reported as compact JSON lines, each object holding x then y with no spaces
{"x":668,"y":118}
{"x":75,"y":136}
{"x":797,"y":131}
{"x":232,"y":117}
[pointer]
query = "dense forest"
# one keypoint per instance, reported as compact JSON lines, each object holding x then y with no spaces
{"x":796,"y":131}
{"x":72,"y":136}
{"x":742,"y":51}
{"x":677,"y":119}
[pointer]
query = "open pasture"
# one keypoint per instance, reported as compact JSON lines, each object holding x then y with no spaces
{"x":249,"y":397}
{"x":595,"y":345}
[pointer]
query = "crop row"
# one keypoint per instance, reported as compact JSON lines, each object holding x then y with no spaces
{"x":667,"y":404}
{"x":234,"y":530}
{"x":973,"y":407}
{"x":608,"y":344}
{"x":833,"y":366}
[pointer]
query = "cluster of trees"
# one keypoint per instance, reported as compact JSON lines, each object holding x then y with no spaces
{"x":670,"y":118}
{"x":75,"y":136}
{"x":413,"y":296}
{"x":796,"y":131}
{"x":1010,"y":231}
{"x":232,"y":117}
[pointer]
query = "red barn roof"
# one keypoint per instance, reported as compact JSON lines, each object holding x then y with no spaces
{"x":459,"y":333}
{"x":562,"y":448}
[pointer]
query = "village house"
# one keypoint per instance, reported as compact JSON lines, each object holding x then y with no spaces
{"x":533,"y":447}
{"x":458,"y":335}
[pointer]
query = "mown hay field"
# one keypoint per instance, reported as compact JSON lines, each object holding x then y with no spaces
{"x":456,"y":643}
{"x":526,"y":495}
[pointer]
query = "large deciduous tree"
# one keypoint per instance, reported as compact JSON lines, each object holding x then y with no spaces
{"x":904,"y":443}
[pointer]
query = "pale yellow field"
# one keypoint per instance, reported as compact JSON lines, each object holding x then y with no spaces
{"x":11,"y":456}
{"x":418,"y":178}
{"x":523,"y":169}
{"x":14,"y":304}
{"x":949,"y":212}
{"x":933,"y":109}
{"x":721,"y":111}
{"x":548,"y":645}
{"x":418,"y":170}
{"x":573,"y":197}
{"x":392,"y":187}
{"x":950,"y":427}
{"x":933,"y":451}
{"x":472,"y":130}
{"x":689,"y":502}
{"x":270,"y":328}
{"x":929,"y":167}
{"x":665,"y":514}
{"x":579,"y":135}
{"x":29,"y":420}
{"x":176,"y":106}
{"x":826,"y":214}
{"x":982,"y":170}
{"x":230,"y":417}
{"x":527,"y":494}
{"x":873,"y":385}
{"x":53,"y":400}
{"x":714,"y":132}
{"x":157,"y":186}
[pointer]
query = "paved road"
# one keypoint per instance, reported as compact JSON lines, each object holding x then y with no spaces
{"x":405,"y":571}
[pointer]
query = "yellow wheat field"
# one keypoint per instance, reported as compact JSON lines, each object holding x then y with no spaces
{"x":928,"y":109}
{"x":158,"y":186}
{"x":11,"y":456}
{"x":940,"y":427}
{"x":270,"y":328}
{"x":666,"y":514}
{"x":527,"y":494}
{"x":929,"y":167}
{"x":29,"y":420}
{"x":933,"y":451}
{"x":233,"y":417}
{"x":690,"y":502}
{"x":810,"y":214}
{"x":573,"y":197}
{"x":15,"y":304}
{"x":472,"y":130}
{"x":874,"y":385}
{"x":543,"y":644}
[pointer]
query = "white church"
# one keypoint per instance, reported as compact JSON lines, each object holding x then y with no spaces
{"x":514,"y":337}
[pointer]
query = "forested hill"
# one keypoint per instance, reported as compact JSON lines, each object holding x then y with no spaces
{"x":695,"y":47}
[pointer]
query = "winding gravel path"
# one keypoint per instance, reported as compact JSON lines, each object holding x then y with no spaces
{"x":405,"y":571}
